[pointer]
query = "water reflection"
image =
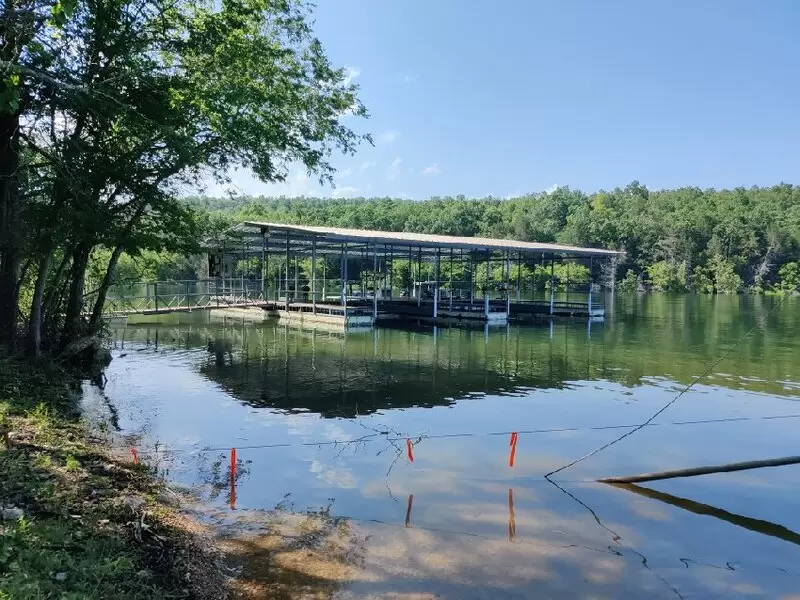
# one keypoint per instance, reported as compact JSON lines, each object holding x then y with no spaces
{"x":331,"y":430}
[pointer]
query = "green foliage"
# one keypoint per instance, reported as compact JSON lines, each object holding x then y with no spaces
{"x":150,"y":96}
{"x":667,"y":277}
{"x":726,"y":281}
{"x":664,"y":235}
{"x":790,"y":276}
{"x":629,"y":283}
{"x":702,"y":281}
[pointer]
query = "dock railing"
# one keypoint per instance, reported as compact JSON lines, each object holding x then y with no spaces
{"x":158,"y":297}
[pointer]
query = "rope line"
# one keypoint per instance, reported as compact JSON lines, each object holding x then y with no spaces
{"x":680,"y":394}
{"x":380,"y":435}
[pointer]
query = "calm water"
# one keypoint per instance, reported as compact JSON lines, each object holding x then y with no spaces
{"x":321,"y":421}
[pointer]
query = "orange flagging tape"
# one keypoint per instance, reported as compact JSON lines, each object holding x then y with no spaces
{"x":513,"y":453}
{"x":135,"y":456}
{"x":410,"y":447}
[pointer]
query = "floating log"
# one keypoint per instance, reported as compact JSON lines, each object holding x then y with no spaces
{"x":727,"y":468}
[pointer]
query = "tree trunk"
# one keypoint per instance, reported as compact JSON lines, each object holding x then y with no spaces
{"x":48,"y":306}
{"x":80,"y":260}
{"x":35,"y":321}
{"x":10,"y":252}
{"x":102,"y":292}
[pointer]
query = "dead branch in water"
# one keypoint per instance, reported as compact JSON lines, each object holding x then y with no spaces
{"x":693,"y":472}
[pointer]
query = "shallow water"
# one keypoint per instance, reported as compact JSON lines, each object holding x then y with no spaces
{"x":322,"y":421}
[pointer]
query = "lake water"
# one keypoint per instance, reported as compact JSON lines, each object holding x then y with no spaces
{"x":327,"y":423}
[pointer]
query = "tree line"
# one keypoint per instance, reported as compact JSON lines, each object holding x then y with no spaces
{"x":109,"y":108}
{"x":682,"y":240}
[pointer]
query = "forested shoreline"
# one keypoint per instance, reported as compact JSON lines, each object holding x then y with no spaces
{"x":683,"y":240}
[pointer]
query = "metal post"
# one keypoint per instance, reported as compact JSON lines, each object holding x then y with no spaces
{"x":450,"y":304}
{"x":296,"y":279}
{"x":591,"y":284}
{"x":436,"y":284}
{"x":186,"y":287}
{"x":519,"y":275}
{"x":344,"y":277}
{"x":486,"y":287}
{"x":413,"y":291}
{"x":286,"y":279}
{"x":314,"y":276}
{"x":552,"y":284}
{"x":508,"y":282}
{"x":263,"y":265}
{"x":244,"y":267}
{"x":419,"y":275}
{"x":374,"y":283}
{"x":324,"y":277}
{"x":471,"y":280}
{"x":391,"y":271}
{"x":566,"y":287}
{"x":155,"y":293}
{"x":222,"y":268}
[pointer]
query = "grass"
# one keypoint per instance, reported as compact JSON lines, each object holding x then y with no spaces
{"x":91,"y":527}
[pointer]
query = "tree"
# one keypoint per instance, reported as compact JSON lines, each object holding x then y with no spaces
{"x":138,"y":100}
{"x":790,"y":276}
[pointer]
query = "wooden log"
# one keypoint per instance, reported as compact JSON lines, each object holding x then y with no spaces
{"x":80,"y":345}
{"x":693,"y":472}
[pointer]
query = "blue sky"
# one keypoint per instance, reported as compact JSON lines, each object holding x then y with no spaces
{"x":518,"y":96}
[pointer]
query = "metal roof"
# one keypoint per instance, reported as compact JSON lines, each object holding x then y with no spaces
{"x":422,"y":240}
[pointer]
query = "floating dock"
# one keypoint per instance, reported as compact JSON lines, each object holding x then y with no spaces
{"x":356,"y":278}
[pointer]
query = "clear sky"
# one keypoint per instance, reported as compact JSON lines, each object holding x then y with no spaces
{"x":516,"y":96}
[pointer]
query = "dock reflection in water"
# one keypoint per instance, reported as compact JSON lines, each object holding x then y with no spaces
{"x":321,"y":422}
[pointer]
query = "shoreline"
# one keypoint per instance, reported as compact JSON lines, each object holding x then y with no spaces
{"x":78,"y":522}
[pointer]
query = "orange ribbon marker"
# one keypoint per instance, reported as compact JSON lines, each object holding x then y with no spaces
{"x":135,"y":456}
{"x":409,"y":447}
{"x":513,"y":444}
{"x":408,"y":509}
{"x":233,"y":478}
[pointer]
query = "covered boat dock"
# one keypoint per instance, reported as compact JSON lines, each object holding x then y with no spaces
{"x":356,"y":277}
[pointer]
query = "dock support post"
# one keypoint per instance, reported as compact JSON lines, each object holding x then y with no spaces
{"x":286,"y":279}
{"x":436,"y":284}
{"x":374,"y":283}
{"x":344,"y":279}
{"x":314,"y":276}
{"x":324,"y":277}
{"x":486,"y":286}
{"x":222,"y":267}
{"x":296,"y":279}
{"x":155,"y":294}
{"x":519,"y":275}
{"x":244,"y":268}
{"x":591,"y":284}
{"x":263,"y":264}
{"x":419,"y":275}
{"x":450,"y":304}
{"x":471,"y":280}
{"x":552,"y":285}
{"x":508,"y":283}
{"x":391,"y":271}
{"x":412,"y":293}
